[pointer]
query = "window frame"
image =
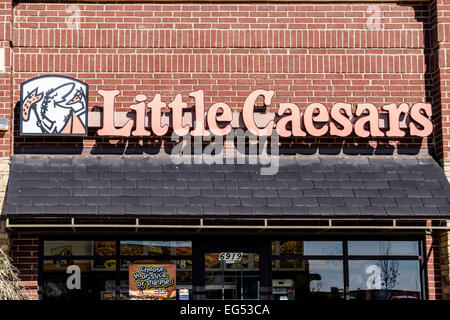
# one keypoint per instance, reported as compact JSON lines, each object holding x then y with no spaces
{"x":345,"y":258}
{"x":265,"y":240}
{"x":118,"y":257}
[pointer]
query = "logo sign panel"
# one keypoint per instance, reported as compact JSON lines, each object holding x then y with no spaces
{"x":57,"y":106}
{"x":54,"y":106}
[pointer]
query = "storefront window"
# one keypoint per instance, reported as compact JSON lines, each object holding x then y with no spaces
{"x":377,"y":277}
{"x":78,"y":261}
{"x":295,"y":279}
{"x":301,"y":270}
{"x":383,"y":248}
{"x":384,"y":280}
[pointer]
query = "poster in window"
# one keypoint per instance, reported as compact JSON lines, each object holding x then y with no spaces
{"x":63,"y":257}
{"x":152,"y":281}
{"x":105,"y":248}
{"x":62,"y":251}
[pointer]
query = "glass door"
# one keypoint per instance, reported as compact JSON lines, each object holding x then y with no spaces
{"x":231,"y":269}
{"x":232,"y":275}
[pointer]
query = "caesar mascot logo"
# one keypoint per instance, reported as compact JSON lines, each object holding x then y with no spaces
{"x":54,"y":105}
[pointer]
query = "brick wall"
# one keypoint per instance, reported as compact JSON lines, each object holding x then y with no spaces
{"x":322,"y":52}
{"x":439,"y":76}
{"x":5,"y":107}
{"x":5,"y":75}
{"x":25,"y":252}
{"x":440,"y":15}
{"x":305,"y":52}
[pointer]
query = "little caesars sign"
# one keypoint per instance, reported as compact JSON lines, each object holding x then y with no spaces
{"x":316,"y":119}
{"x":53,"y":107}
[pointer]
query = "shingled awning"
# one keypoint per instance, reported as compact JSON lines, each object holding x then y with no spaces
{"x":155,"y":187}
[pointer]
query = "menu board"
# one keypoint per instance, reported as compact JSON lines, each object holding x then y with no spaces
{"x":152,"y":281}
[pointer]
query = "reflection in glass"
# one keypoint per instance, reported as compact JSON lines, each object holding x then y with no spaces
{"x":308,"y":279}
{"x":323,"y":248}
{"x":319,"y":248}
{"x":96,"y":279}
{"x":383,"y":248}
{"x":291,"y":247}
{"x":384,"y":279}
{"x":292,"y":264}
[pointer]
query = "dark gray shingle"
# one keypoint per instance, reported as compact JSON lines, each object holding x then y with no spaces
{"x":154,"y":186}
